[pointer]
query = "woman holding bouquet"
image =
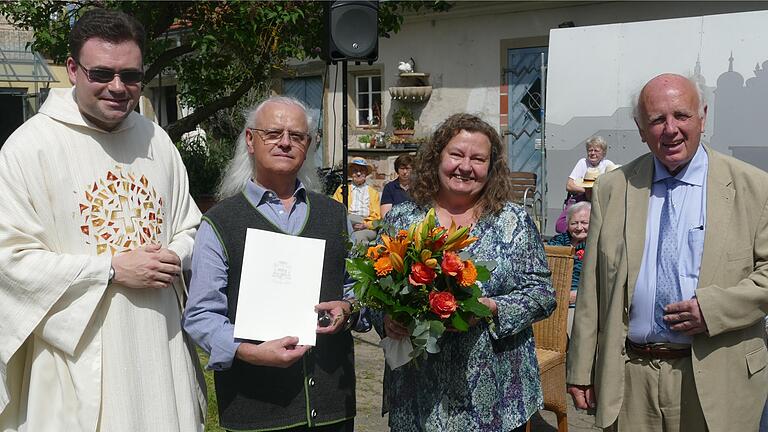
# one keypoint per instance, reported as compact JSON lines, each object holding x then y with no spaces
{"x":485,"y":379}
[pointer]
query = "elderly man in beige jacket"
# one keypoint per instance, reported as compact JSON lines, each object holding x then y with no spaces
{"x":668,"y":332}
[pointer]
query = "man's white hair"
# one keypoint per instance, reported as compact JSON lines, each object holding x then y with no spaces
{"x":241,"y":168}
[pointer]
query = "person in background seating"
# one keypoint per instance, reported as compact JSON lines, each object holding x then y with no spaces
{"x":364,"y":208}
{"x":576,"y":236}
{"x":396,"y":191}
{"x":583,"y":175}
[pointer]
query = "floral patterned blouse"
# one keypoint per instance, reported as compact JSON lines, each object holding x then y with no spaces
{"x":481,"y":380}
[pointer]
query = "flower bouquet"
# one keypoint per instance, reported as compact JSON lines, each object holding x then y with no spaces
{"x":422,"y":278}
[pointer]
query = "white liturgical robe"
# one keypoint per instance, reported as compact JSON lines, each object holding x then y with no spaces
{"x":77,"y":354}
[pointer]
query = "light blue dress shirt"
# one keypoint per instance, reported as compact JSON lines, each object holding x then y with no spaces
{"x":689,"y":200}
{"x":205,"y":316}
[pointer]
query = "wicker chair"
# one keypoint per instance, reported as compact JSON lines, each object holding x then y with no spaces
{"x":551,"y":337}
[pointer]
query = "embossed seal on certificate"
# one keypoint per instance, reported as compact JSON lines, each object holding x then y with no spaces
{"x":282,"y":272}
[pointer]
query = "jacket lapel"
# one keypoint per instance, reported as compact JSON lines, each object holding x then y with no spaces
{"x":638,"y":193}
{"x":720,"y":196}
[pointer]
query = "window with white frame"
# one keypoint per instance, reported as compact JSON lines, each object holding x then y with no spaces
{"x":368,"y":98}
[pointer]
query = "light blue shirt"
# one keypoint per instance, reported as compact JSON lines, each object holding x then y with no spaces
{"x":205,"y":316}
{"x":689,"y":198}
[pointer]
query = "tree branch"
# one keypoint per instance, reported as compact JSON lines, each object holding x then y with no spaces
{"x":165,"y":59}
{"x":185,"y":124}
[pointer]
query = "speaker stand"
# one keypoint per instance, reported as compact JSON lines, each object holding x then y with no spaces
{"x":344,"y":135}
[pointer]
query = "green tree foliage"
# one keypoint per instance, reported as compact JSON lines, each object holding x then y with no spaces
{"x":218,"y":49}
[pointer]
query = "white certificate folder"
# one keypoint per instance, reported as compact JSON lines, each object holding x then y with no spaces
{"x":279,"y":287}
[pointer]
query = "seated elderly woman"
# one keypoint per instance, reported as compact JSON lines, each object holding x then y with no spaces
{"x":486,"y":379}
{"x":576,"y":236}
{"x":597,"y":149}
{"x":590,"y":167}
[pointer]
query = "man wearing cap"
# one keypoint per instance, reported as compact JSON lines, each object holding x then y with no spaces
{"x":668,"y":331}
{"x":364,"y":206}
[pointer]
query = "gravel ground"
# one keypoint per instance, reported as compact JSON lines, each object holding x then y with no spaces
{"x":369,"y":368}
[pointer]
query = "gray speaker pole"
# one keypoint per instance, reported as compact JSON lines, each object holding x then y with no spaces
{"x":344,"y":134}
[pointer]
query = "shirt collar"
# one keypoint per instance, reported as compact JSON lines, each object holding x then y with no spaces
{"x":695,"y":173}
{"x":260,"y":194}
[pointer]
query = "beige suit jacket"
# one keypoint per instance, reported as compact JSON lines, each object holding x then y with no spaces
{"x":730,"y":361}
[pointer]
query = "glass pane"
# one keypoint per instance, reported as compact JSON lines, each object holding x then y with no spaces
{"x":376,"y":83}
{"x":362,"y":117}
{"x":363,"y":101}
{"x":362,"y":84}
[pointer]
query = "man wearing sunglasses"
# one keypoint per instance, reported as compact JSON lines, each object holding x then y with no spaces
{"x":95,"y":223}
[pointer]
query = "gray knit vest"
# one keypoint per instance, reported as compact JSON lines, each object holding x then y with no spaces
{"x":320,"y":388}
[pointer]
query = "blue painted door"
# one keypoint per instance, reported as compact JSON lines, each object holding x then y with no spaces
{"x":310,"y":91}
{"x":524,"y":84}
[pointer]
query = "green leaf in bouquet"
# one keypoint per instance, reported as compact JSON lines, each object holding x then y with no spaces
{"x":387,"y":285}
{"x":473,"y":306}
{"x":360,"y":269}
{"x":459,"y":323}
{"x":404,"y":308}
{"x":464,"y":255}
{"x":388,"y":229}
{"x":376,"y":292}
{"x":489,"y":265}
{"x":436,"y":329}
{"x":420,"y":328}
{"x":432,"y":346}
{"x":406,"y":289}
{"x":417,"y":352}
{"x":483,"y":274}
{"x":360,"y":288}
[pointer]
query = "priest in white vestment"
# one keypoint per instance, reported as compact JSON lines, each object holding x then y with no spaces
{"x":96,"y":223}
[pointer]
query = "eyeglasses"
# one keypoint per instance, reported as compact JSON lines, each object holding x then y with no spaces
{"x":274,"y":136}
{"x":104,"y":76}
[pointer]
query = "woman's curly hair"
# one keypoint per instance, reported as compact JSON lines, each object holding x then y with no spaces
{"x":426,"y":184}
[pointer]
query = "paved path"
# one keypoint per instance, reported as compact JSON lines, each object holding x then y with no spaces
{"x":369,"y":366}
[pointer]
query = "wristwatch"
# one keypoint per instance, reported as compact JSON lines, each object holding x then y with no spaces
{"x":111,"y":274}
{"x":352,"y":317}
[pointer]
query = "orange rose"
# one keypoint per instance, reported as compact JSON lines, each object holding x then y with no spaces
{"x":468,"y":275}
{"x":452,"y":264}
{"x":383,"y":266}
{"x":442,"y":303}
{"x":421,"y":274}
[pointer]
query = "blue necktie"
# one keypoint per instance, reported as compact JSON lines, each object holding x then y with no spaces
{"x":667,"y":273}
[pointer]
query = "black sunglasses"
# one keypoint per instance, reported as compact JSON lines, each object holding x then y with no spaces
{"x":104,"y":76}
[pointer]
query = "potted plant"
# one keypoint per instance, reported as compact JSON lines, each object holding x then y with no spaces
{"x":365,"y":141}
{"x":403,"y":122}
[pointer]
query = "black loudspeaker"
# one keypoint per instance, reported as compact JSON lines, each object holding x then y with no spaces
{"x":351,"y":31}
